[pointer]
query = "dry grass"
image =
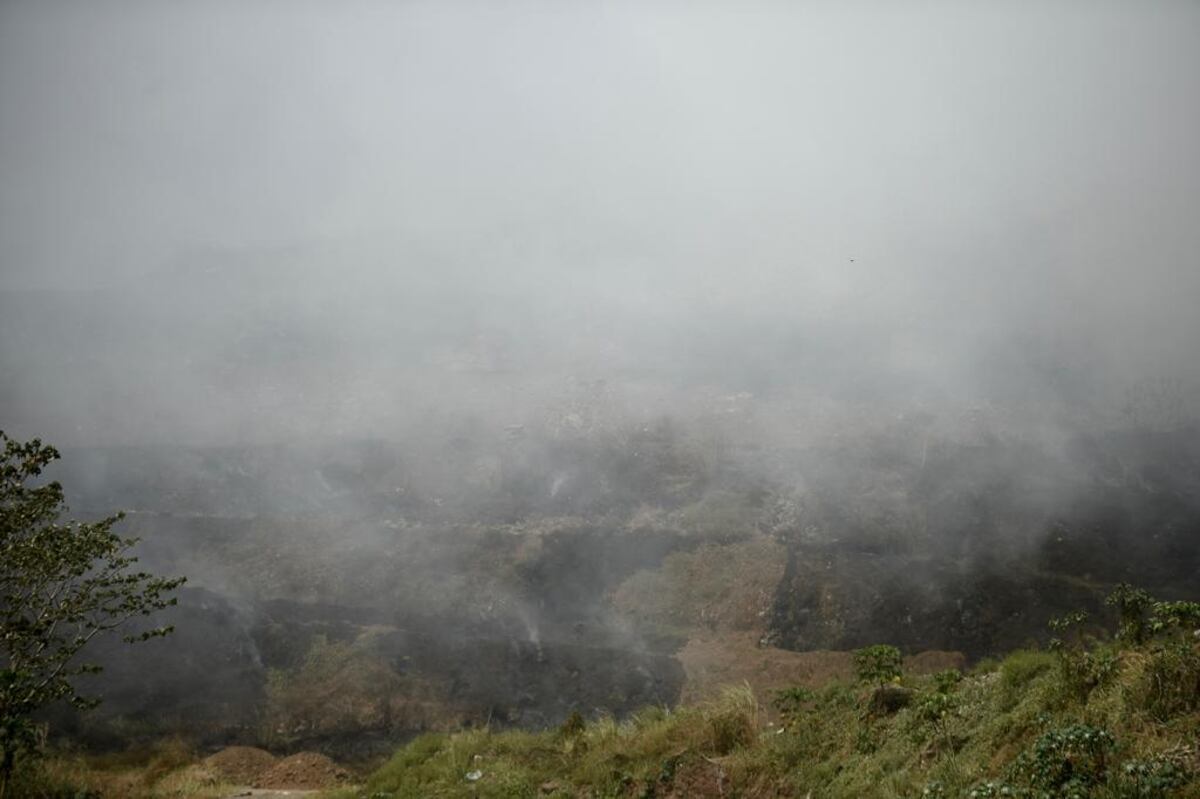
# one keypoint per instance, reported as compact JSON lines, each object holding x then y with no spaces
{"x":727,"y":746}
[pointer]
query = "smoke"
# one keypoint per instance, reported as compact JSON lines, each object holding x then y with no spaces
{"x":398,"y":284}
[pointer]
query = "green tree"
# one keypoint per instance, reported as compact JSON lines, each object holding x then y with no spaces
{"x":61,"y":585}
{"x":879,"y":664}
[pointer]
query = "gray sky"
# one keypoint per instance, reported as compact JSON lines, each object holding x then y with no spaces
{"x":945,"y":175}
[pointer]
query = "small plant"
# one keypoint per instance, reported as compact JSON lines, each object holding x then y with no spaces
{"x":1155,"y":778}
{"x":946,"y":681}
{"x":866,"y":741}
{"x":936,"y":709}
{"x":1176,"y":619}
{"x":1066,"y":762}
{"x":880,"y":664}
{"x":992,"y":789}
{"x":791,"y":702}
{"x":1081,"y":669}
{"x":1068,"y":625}
{"x":934,"y":790}
{"x":1131,"y":604}
{"x":1171,"y":682}
{"x":573,"y":726}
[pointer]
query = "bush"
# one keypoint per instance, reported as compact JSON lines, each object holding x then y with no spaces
{"x":1080,"y":668}
{"x":1149,"y":779}
{"x":1066,"y":762}
{"x":936,"y":709}
{"x":573,"y":726}
{"x":879,"y":664}
{"x":1131,"y":604}
{"x":946,"y":681}
{"x":791,"y":702}
{"x":1171,"y":681}
{"x":1175,"y":619}
{"x":992,"y":789}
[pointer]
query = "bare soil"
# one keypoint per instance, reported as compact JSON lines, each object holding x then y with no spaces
{"x":714,"y":662}
{"x":240,"y":765}
{"x":306,"y":770}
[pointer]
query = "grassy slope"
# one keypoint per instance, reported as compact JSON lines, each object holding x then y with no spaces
{"x":830,"y":747}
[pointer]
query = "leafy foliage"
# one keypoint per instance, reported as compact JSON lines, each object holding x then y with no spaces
{"x":1082,"y":668}
{"x":1131,"y":604}
{"x":879,"y":664}
{"x":1067,"y":762}
{"x":1175,"y":618}
{"x":1155,"y":778}
{"x":946,"y":681}
{"x":61,"y":585}
{"x":1172,"y":680}
{"x":1017,"y":731}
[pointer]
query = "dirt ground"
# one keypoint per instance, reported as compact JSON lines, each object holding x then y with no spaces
{"x":712,"y":663}
{"x":304,"y":770}
{"x":301,"y":774}
{"x":240,"y":765}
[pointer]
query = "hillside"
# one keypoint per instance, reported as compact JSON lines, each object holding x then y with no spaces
{"x":1117,"y":718}
{"x":512,"y":578}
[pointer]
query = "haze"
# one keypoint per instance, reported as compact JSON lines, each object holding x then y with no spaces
{"x":231,"y":221}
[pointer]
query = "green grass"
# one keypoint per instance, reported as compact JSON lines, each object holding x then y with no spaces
{"x":832,"y":747}
{"x":167,"y":770}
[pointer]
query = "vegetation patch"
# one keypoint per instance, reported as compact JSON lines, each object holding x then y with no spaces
{"x":1022,"y":728}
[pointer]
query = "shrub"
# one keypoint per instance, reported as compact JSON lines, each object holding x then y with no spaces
{"x":934,"y":790}
{"x":1081,"y":669}
{"x":1171,"y":681}
{"x":879,"y":664}
{"x":992,"y":789}
{"x":1066,"y":762}
{"x":1155,"y":778}
{"x":1176,"y":619}
{"x":573,"y":726}
{"x":946,"y":681}
{"x":1131,"y":604}
{"x":791,"y":702}
{"x":936,"y":709}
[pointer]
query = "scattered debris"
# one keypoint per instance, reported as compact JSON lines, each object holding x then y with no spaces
{"x":472,"y":776}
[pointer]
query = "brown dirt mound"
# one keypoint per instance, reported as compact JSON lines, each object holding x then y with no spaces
{"x":715,"y":661}
{"x":240,"y":765}
{"x":304,"y":770}
{"x":935,"y":660}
